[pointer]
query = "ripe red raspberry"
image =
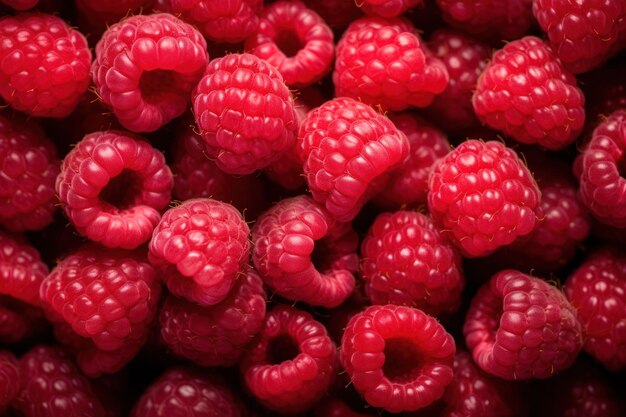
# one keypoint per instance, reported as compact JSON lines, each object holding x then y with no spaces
{"x":388,"y":8}
{"x":9,"y":379}
{"x":338,"y":14}
{"x":95,"y":16}
{"x":397,"y":357}
{"x":520,"y":327}
{"x":482,"y":197}
{"x":384,"y":65}
{"x":215,"y":335}
{"x":112,"y":186}
{"x":303,"y":254}
{"x":146,"y":68}
{"x":245,"y":113}
{"x":21,"y":4}
{"x":348,"y":150}
{"x":291,"y":364}
{"x":200,"y":247}
{"x":45,"y":64}
{"x":21,"y":269}
{"x":19,"y":321}
{"x":408,"y":184}
{"x":597,"y":289}
{"x":526,"y":93}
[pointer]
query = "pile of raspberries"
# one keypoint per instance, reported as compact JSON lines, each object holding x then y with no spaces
{"x":312,"y":208}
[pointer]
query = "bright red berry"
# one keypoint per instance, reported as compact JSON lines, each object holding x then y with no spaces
{"x":388,"y":8}
{"x":21,"y":269}
{"x":9,"y":379}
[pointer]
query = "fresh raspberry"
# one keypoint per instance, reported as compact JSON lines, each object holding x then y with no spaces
{"x":388,"y":8}
{"x":348,"y":150}
{"x":95,"y":16}
{"x":291,"y":364}
{"x":20,"y":321}
{"x":520,"y":327}
{"x":200,"y":247}
{"x":295,"y":40}
{"x":21,"y":4}
{"x":146,"y":68}
{"x":338,"y":14}
{"x":21,"y":269}
{"x":482,"y":197}
{"x":112,"y":186}
{"x":303,"y":254}
{"x":215,"y":335}
{"x":384,"y":65}
{"x":397,"y":357}
{"x":408,"y":184}
{"x":597,"y":289}
{"x":9,"y":379}
{"x":45,"y":64}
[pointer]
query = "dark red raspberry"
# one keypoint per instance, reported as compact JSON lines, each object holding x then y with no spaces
{"x":291,"y":364}
{"x":397,"y":357}
{"x":20,"y":322}
{"x":348,"y":150}
{"x":9,"y":379}
{"x":408,"y":184}
{"x":388,"y":8}
{"x":21,"y":4}
{"x":245,"y":113}
{"x":112,"y":186}
{"x":146,"y":68}
{"x":200,"y":247}
{"x":95,"y":16}
{"x":45,"y":64}
{"x":303,"y":254}
{"x":520,"y":327}
{"x":482,"y":197}
{"x":215,"y":335}
{"x":21,"y":269}
{"x":337,"y":408}
{"x":336,"y":13}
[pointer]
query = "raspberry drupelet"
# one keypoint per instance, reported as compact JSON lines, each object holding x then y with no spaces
{"x":291,"y":364}
{"x":45,"y":64}
{"x":9,"y":379}
{"x":112,"y":187}
{"x":338,"y":14}
{"x":303,"y":254}
{"x":21,"y":269}
{"x":388,"y":8}
{"x":200,"y":247}
{"x":146,"y":67}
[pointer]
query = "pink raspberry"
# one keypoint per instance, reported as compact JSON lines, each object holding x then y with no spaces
{"x":526,"y":93}
{"x":96,"y":15}
{"x":295,"y":40}
{"x":200,"y":247}
{"x":336,"y":13}
{"x":146,"y":68}
{"x":112,"y":186}
{"x":520,"y":327}
{"x":217,"y":335}
{"x":245,"y":113}
{"x":21,"y":4}
{"x":482,"y":197}
{"x":303,"y":254}
{"x":21,"y":269}
{"x":291,"y":364}
{"x":388,"y":8}
{"x":397,"y":357}
{"x":45,"y":64}
{"x":597,"y":289}
{"x":9,"y":379}
{"x":384,"y":65}
{"x":348,"y":150}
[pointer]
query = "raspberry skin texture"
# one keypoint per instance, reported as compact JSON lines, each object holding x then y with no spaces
{"x":113,"y":186}
{"x":291,"y":364}
{"x":21,"y":269}
{"x":146,"y":67}
{"x":245,"y":113}
{"x":526,"y":93}
{"x":388,"y":8}
{"x":348,"y":150}
{"x":520,"y":327}
{"x":45,"y":64}
{"x":597,"y":289}
{"x":200,"y":247}
{"x":9,"y":378}
{"x":406,"y":261}
{"x":216,"y":335}
{"x":289,"y":236}
{"x":379,"y":351}
{"x":482,"y":197}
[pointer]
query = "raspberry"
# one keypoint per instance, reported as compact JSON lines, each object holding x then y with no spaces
{"x":583,"y":34}
{"x":348,"y":150}
{"x":19,"y":321}
{"x":216,"y":335}
{"x":336,"y":13}
{"x":408,"y":184}
{"x":45,"y":64}
{"x":245,"y":113}
{"x":520,"y":327}
{"x":291,"y":364}
{"x":21,"y":269}
{"x":146,"y":67}
{"x":397,"y":357}
{"x":112,"y":186}
{"x":200,"y":246}
{"x":296,"y":41}
{"x":21,"y":4}
{"x":526,"y":93}
{"x":388,"y":66}
{"x":96,"y":16}
{"x":9,"y":378}
{"x":482,"y":197}
{"x":388,"y":8}
{"x":597,"y":289}
{"x":303,"y":254}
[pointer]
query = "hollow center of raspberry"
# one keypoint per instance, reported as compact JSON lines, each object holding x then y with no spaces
{"x":155,"y":84}
{"x":403,"y":360}
{"x":121,"y":191}
{"x":288,"y":42}
{"x":281,"y":349}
